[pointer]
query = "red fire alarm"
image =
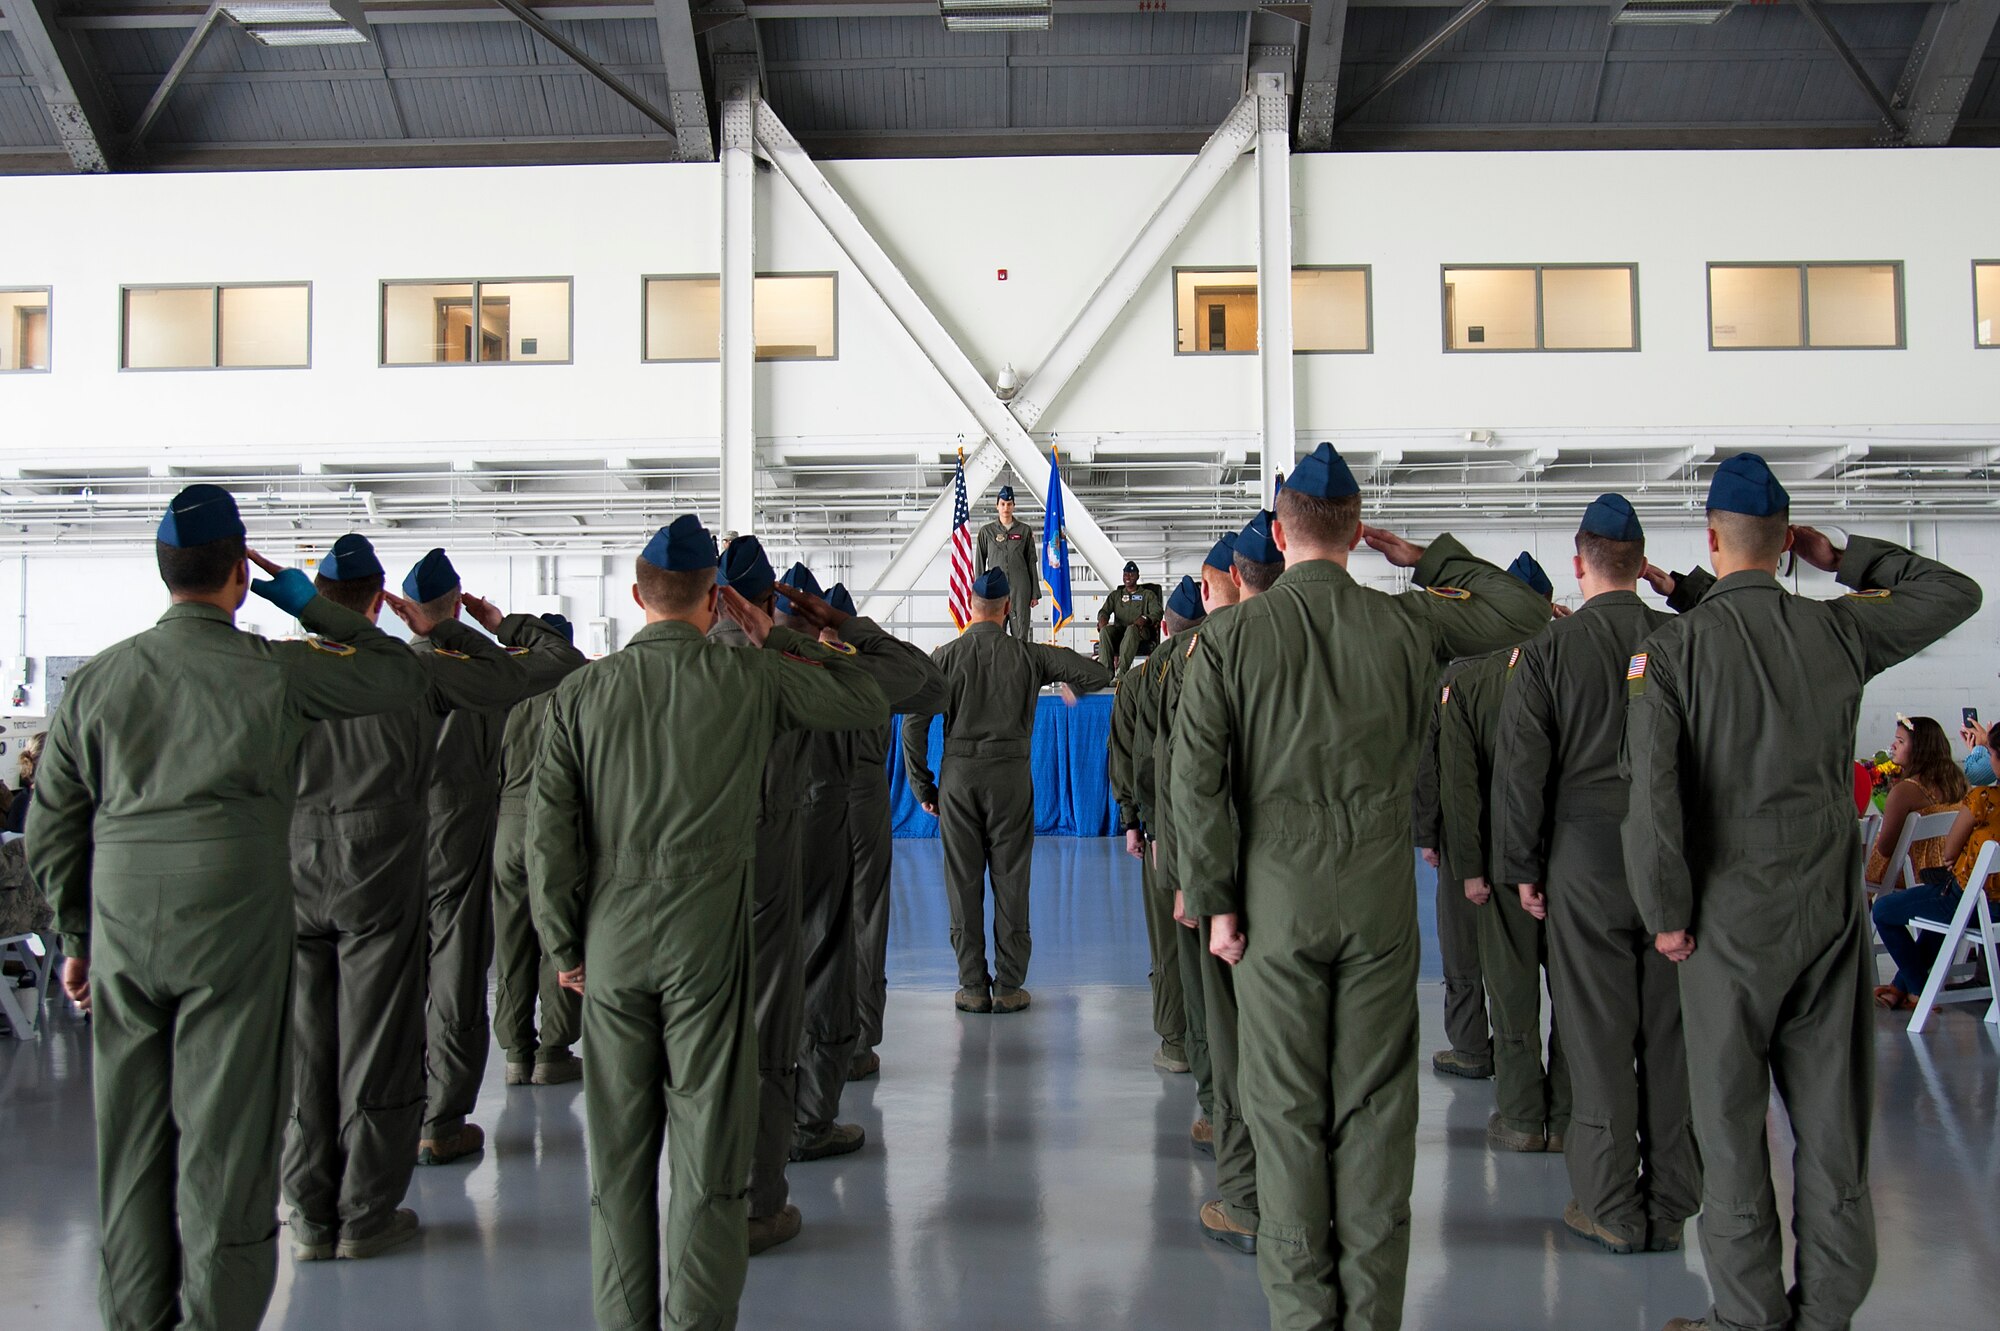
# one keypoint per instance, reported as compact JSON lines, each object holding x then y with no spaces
{"x":1000,"y":276}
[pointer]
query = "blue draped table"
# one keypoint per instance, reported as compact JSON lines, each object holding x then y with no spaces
{"x":1072,"y":781}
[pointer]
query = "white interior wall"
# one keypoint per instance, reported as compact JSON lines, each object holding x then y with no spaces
{"x":1056,"y":226}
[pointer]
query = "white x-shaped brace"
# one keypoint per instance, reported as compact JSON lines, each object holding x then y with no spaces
{"x":1006,"y":423}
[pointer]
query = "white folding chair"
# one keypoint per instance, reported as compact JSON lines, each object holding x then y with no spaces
{"x":24,"y":1018}
{"x":1971,"y":926}
{"x":1917,"y":827}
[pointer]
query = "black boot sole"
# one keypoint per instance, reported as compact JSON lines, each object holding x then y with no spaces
{"x":1243,"y":1243}
{"x":1615,"y":1249}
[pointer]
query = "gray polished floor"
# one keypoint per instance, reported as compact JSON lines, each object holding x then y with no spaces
{"x":1032,"y":1171}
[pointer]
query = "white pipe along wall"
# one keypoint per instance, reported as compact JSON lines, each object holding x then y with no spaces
{"x":1056,"y":226}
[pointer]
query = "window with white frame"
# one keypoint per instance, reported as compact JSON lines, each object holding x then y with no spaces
{"x":1986,"y":303}
{"x":1801,"y":306}
{"x":239,"y":326}
{"x":1215,"y":310}
{"x":24,"y":329}
{"x":1541,"y":307}
{"x":518,"y":321}
{"x":793,"y":316}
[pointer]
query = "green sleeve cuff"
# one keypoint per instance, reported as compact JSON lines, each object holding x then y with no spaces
{"x":566,"y":961}
{"x":1858,"y":559}
{"x":322,"y":616}
{"x":451,"y":635}
{"x":75,"y":945}
{"x":1429,"y":571}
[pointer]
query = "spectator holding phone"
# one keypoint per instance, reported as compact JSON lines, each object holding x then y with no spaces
{"x":1978,"y":765}
{"x":1932,"y":783}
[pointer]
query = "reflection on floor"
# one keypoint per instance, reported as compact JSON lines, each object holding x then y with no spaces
{"x":1033,"y":1171}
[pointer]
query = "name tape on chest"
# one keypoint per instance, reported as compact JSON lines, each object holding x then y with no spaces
{"x":328,"y":646}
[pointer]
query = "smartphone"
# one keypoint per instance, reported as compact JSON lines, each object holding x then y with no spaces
{"x":1970,"y":716}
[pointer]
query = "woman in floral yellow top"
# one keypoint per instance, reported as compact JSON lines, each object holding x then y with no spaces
{"x":1936,"y":897}
{"x":1933,"y":782}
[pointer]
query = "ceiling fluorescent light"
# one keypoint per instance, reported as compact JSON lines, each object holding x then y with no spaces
{"x":250,"y":12}
{"x":976,"y":6}
{"x":1010,"y":22}
{"x":1666,"y":12}
{"x":342,"y":36}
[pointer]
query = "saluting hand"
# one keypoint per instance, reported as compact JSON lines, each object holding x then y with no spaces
{"x":1557,"y":610}
{"x":1659,"y":579}
{"x":1675,"y":947}
{"x":813,"y":611}
{"x":1534,"y":900}
{"x":1226,"y":938}
{"x":1816,"y":548}
{"x":1401,"y":553}
{"x":753,"y":619}
{"x":410,"y":613}
{"x":484,"y":613}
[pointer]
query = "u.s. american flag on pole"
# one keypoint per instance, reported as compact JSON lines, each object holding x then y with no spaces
{"x":961,"y":549}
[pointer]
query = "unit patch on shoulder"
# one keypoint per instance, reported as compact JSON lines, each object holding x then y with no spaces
{"x":448,"y":652}
{"x":804,"y":660}
{"x":1450,"y":593}
{"x":330,"y":647}
{"x":1635,"y":676}
{"x":844,"y":648}
{"x":1873,"y":594}
{"x":517,"y":651}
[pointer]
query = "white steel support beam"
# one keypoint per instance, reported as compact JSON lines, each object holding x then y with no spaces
{"x":952,"y":364}
{"x":1942,"y":68}
{"x":1194,"y":188}
{"x":739,"y":275}
{"x":1319,"y":89}
{"x":1274,"y":281}
{"x":686,"y":101}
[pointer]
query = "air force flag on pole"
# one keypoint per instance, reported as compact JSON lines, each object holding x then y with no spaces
{"x":1055,"y":546}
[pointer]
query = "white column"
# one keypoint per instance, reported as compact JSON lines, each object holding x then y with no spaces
{"x":739,"y":343}
{"x":1274,"y":281}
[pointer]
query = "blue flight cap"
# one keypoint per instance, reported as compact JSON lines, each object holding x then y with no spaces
{"x":682,"y":546}
{"x":1254,"y":542}
{"x":352,"y":557}
{"x":990,"y":585}
{"x":1744,"y":484}
{"x":746,"y":569}
{"x":1527,"y":570}
{"x":1322,"y":474}
{"x":198,"y":515}
{"x":1131,"y":567}
{"x":430,"y":578}
{"x":1611,"y":516}
{"x":1221,"y":555}
{"x":799,"y":578}
{"x":841,"y":599}
{"x":1007,"y":493}
{"x":561,"y":624}
{"x":1186,"y":600}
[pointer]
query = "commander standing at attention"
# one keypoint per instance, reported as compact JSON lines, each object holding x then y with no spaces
{"x":1012,"y":548}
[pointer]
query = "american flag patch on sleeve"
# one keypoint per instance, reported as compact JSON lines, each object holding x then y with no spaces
{"x":1637,"y":670}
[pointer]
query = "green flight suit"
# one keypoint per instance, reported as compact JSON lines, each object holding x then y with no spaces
{"x":1630,"y":1150}
{"x":1128,"y":625}
{"x":1147,"y":781}
{"x":358,"y":844}
{"x":1017,"y":552}
{"x":1739,"y":738}
{"x":1130,"y":714}
{"x":831,"y":1020}
{"x":522,"y":970}
{"x":642,"y":842}
{"x":1292,"y":810}
{"x":162,"y":807}
{"x":985,"y":794}
{"x":1209,"y":981}
{"x":777,"y":918}
{"x":1466,"y":1028}
{"x":464,"y":808}
{"x":871,"y":837}
{"x":1531,"y":1097}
